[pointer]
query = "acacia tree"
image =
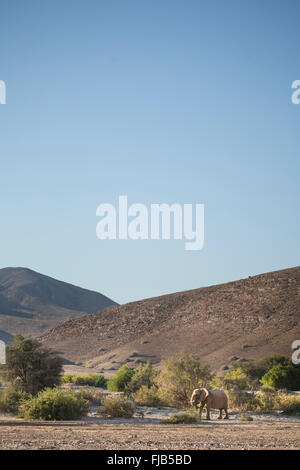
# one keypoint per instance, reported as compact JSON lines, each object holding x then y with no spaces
{"x":30,"y":367}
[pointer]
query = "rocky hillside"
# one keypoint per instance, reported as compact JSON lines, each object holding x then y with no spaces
{"x":248,"y":318}
{"x":30,"y":302}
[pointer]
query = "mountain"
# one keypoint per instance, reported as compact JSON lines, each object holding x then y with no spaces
{"x":30,"y":302}
{"x":249,"y":318}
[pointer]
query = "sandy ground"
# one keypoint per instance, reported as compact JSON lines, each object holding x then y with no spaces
{"x":272,"y":431}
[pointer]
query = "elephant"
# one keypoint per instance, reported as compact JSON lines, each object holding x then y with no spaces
{"x":212,"y":399}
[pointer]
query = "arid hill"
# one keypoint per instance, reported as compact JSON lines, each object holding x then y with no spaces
{"x":30,"y":302}
{"x":249,"y":318}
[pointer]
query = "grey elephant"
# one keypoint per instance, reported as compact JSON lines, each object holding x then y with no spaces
{"x":212,"y":399}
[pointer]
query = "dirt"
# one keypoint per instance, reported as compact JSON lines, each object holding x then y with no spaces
{"x":272,"y":431}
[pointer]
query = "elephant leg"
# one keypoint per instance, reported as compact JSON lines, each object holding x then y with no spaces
{"x":200,"y":412}
{"x":220,"y":416}
{"x":207,"y":413}
{"x":226,"y":414}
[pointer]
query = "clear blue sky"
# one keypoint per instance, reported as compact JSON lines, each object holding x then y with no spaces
{"x":165,"y":101}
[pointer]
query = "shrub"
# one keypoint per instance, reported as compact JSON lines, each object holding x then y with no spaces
{"x":92,"y":380}
{"x":54,"y":404}
{"x":10,"y":400}
{"x":117,"y":407}
{"x":235,"y":378}
{"x":290,"y":405}
{"x":233,"y":358}
{"x":30,"y":367}
{"x":180,"y":418}
{"x":242,"y":401}
{"x":246,"y":418}
{"x":66,"y":379}
{"x":94,"y":396}
{"x":179,"y":377}
{"x":121,"y":379}
{"x":145,"y":396}
{"x":144,"y":375}
{"x":282,"y":376}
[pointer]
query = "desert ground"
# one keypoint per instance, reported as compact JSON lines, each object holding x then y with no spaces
{"x":144,"y":431}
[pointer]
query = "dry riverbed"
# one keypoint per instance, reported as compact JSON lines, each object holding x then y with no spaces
{"x":144,"y":431}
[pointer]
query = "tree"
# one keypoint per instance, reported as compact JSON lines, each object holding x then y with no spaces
{"x":30,"y":367}
{"x":179,"y":377}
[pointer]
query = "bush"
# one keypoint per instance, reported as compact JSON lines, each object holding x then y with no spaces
{"x":180,"y":418}
{"x":290,"y":405}
{"x":145,"y":396}
{"x":117,"y":407}
{"x":144,"y":375}
{"x":54,"y":404}
{"x":30,"y":367}
{"x":179,"y":377}
{"x":66,"y":379}
{"x":10,"y":400}
{"x":92,"y":380}
{"x":242,"y":401}
{"x":282,"y":376}
{"x":93,"y":395}
{"x":246,"y":418}
{"x":233,"y":358}
{"x":235,"y":378}
{"x":121,"y":379}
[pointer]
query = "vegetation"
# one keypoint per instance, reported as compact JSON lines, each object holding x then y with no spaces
{"x":117,"y":407}
{"x":144,"y":376}
{"x":145,"y":396}
{"x":235,"y":378}
{"x":180,"y":418}
{"x":11,"y":399}
{"x":282,"y":376}
{"x":179,"y":377}
{"x":92,"y":380}
{"x":93,"y":395}
{"x":29,"y":367}
{"x":54,"y":404}
{"x":246,"y":417}
{"x":121,"y":379}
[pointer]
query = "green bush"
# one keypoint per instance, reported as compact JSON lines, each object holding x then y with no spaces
{"x":144,"y":375}
{"x":235,"y":378}
{"x":246,"y":418}
{"x":121,"y":379}
{"x":282,"y":376}
{"x":179,"y":377}
{"x":180,"y":418}
{"x":145,"y":396}
{"x":11,"y":399}
{"x":92,"y":380}
{"x":117,"y":407}
{"x":66,"y":379}
{"x":54,"y":404}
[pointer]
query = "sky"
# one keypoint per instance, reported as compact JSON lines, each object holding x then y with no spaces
{"x":163,"y":101}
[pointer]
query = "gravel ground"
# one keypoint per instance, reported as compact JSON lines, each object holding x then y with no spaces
{"x":272,"y":431}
